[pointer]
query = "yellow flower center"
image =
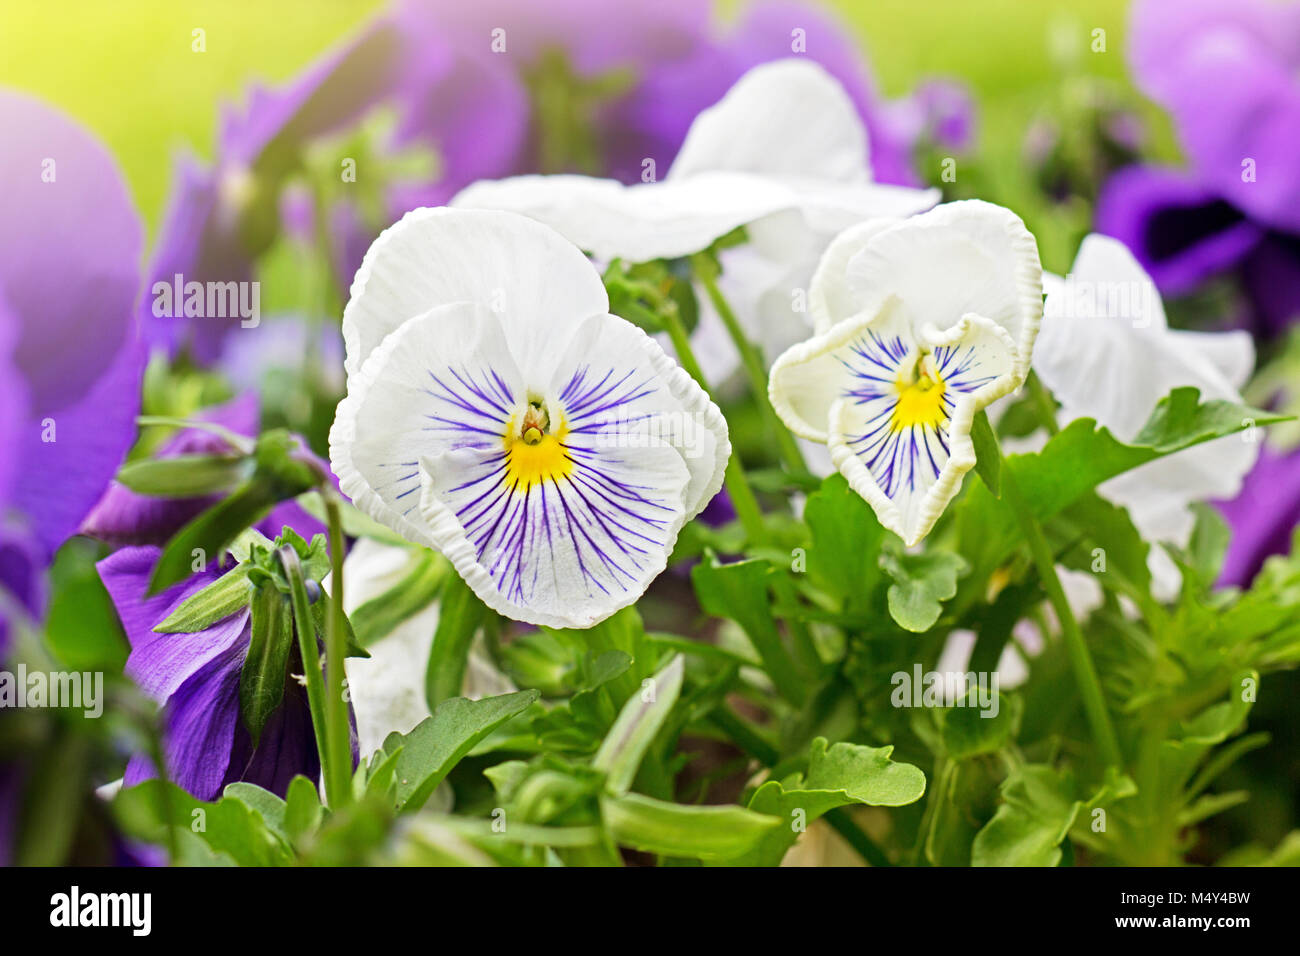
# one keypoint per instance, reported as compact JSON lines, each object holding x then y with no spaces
{"x":920,"y":399}
{"x":533,"y":452}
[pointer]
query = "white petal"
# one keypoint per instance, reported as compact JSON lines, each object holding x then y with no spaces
{"x":433,"y":257}
{"x":443,"y":380}
{"x":663,"y":220}
{"x":387,"y":689}
{"x":1113,"y":364}
{"x":959,"y":258}
{"x":830,"y":299}
{"x":580,"y":533}
{"x":907,"y":460}
{"x":1108,"y":282}
{"x":808,"y":378}
{"x":786,"y":118}
{"x":1231,"y":353}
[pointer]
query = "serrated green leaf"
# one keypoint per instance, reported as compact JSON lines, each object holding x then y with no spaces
{"x":1037,"y":810}
{"x":150,"y":809}
{"x":837,"y":776}
{"x":438,"y":742}
{"x":922,"y":582}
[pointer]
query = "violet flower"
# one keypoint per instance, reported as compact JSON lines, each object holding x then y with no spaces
{"x":124,"y":517}
{"x":195,"y":678}
{"x":1264,"y":516}
{"x":1229,"y":75}
{"x":70,"y":356}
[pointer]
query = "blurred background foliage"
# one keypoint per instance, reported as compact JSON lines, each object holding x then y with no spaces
{"x":128,"y":72}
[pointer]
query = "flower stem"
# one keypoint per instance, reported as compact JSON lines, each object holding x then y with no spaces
{"x":336,"y":714}
{"x":752,"y":363}
{"x":306,"y":629}
{"x":743,"y":500}
{"x":1085,"y":672}
{"x":742,"y":496}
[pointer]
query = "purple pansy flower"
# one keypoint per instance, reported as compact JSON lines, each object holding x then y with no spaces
{"x":1263,"y":517}
{"x":1229,"y":75}
{"x":195,"y":678}
{"x":70,"y":356}
{"x":124,"y":517}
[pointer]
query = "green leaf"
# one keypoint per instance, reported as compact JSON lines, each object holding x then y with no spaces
{"x":459,"y":616}
{"x":739,"y":591}
{"x":225,"y":596}
{"x":208,"y":535}
{"x":846,"y":538}
{"x":303,"y":811}
{"x":185,"y":476}
{"x":149,"y":810}
{"x":625,"y":745}
{"x":1209,"y":545}
{"x":418,"y":588}
{"x":988,"y":456}
{"x":697,"y":832}
{"x":1084,"y":455}
{"x":837,"y":776}
{"x":1037,"y":811}
{"x":263,"y":802}
{"x":967,"y":732}
{"x":280,"y":472}
{"x":437,"y":743}
{"x":921,"y":583}
{"x":261,"y":681}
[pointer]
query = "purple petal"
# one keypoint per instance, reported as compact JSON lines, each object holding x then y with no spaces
{"x":1271,"y":274}
{"x":59,"y":481}
{"x":69,"y":253}
{"x":1165,"y":33}
{"x":1181,"y":232}
{"x":1263,"y":516}
{"x":287,"y":746}
{"x":161,"y":663}
{"x":201,"y":718}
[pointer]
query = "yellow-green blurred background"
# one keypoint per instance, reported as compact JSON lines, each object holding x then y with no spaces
{"x":127,"y":69}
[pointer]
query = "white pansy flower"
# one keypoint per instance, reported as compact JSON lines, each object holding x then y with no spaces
{"x":1107,"y":353}
{"x":783,"y":153}
{"x":920,"y":323}
{"x":498,"y":413}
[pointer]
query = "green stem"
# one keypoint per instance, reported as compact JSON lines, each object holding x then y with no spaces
{"x":305,"y":627}
{"x":742,"y":496}
{"x":336,"y":713}
{"x":843,"y":823}
{"x":752,"y":362}
{"x":1085,"y":672}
